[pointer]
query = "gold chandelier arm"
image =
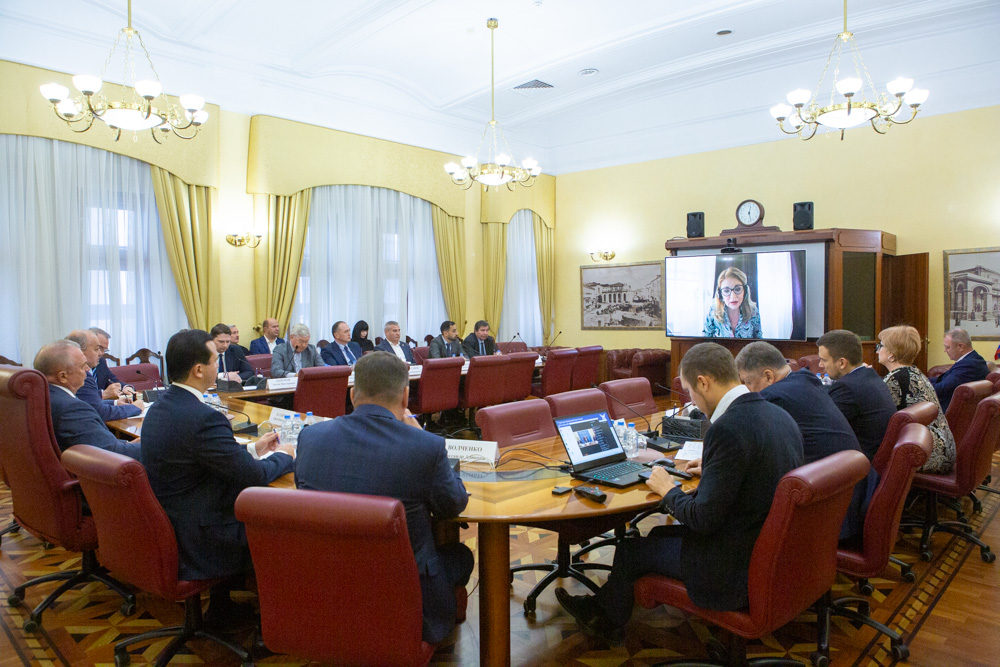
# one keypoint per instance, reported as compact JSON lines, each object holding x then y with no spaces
{"x":90,"y":122}
{"x":875,"y":126}
{"x":913,"y":114}
{"x":152,"y":132}
{"x":117,"y":132}
{"x":812,"y":134}
{"x":183,"y":136}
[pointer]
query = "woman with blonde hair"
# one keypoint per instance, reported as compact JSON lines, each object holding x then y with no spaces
{"x":897,"y":349}
{"x":733,"y":313}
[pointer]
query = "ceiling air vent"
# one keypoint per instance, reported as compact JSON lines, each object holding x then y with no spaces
{"x":533,"y":88}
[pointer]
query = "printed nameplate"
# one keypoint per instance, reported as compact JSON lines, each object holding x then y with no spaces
{"x":484,"y":451}
{"x":274,"y":384}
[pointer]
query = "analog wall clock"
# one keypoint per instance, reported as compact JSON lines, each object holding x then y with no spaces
{"x":749,"y":212}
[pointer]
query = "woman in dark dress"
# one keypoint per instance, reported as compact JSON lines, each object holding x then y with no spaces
{"x":360,"y":336}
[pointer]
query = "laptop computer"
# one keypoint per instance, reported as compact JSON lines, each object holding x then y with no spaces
{"x":595,"y":452}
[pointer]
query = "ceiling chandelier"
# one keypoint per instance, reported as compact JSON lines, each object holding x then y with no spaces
{"x":135,"y":110}
{"x":807,"y":113}
{"x":500,"y":168}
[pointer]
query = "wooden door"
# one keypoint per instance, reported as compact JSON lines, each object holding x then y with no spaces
{"x":904,"y":295}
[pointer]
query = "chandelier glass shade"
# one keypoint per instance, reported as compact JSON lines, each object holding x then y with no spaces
{"x":499,"y":167}
{"x":141,"y":106}
{"x":851,"y":99}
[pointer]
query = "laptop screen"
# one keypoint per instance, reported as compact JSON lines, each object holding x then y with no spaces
{"x":589,"y":438}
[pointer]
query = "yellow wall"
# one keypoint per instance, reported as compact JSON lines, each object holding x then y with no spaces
{"x":935,"y":184}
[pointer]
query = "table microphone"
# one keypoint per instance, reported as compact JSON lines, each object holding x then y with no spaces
{"x":694,"y":414}
{"x":653,"y":438}
{"x":249,"y":429}
{"x":150,"y":395}
{"x":549,"y":346}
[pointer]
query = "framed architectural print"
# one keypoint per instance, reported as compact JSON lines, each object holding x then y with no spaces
{"x":972,"y":291}
{"x":622,"y":296}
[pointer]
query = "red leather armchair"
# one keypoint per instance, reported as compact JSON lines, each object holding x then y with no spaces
{"x":484,"y":383}
{"x":679,"y":395}
{"x":994,"y":377}
{"x":261,"y":364}
{"x":808,"y":509}
{"x":557,"y":374}
{"x":512,"y":347}
{"x":517,"y":383}
{"x":129,"y":374}
{"x":810,"y":361}
{"x":137,"y":542}
{"x":924,"y":413}
{"x":336,"y":576}
{"x":46,"y":498}
{"x":938,"y":371}
{"x":973,"y":461}
{"x":633,"y":392}
{"x":577,"y":402}
{"x":420,"y":354}
{"x":438,"y":387}
{"x":962,"y":408}
{"x":322,"y":390}
{"x":588,"y":361}
{"x":651,"y":364}
{"x":869,"y":559}
{"x":512,"y":424}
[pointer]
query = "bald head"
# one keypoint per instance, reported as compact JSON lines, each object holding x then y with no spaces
{"x":89,"y":343}
{"x":62,"y":363}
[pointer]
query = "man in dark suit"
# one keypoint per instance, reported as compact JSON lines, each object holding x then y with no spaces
{"x":342,"y":351}
{"x":75,"y":422}
{"x":391,"y":343}
{"x":749,"y":447}
{"x":298,"y":353}
{"x":235,"y":339}
{"x":969,"y":366}
{"x":269,"y":338}
{"x":857,"y":391}
{"x":480,"y":343}
{"x":824,"y":428}
{"x":196,"y":468}
{"x":447,"y":344}
{"x":233,"y":364}
{"x":109,"y":410}
{"x":380,"y":449}
{"x":107,"y":382}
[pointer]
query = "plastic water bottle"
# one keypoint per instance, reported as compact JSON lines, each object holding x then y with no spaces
{"x":296,"y":427}
{"x":206,"y":399}
{"x":826,"y":380}
{"x":310,"y":420}
{"x":620,"y":429}
{"x":285,"y":435}
{"x":215,"y":401}
{"x":631,"y":443}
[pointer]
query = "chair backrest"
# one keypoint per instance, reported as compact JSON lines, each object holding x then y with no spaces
{"x":512,"y":347}
{"x":794,"y":365}
{"x":679,"y":394}
{"x":517,"y":383}
{"x":144,"y":354}
{"x":557,"y":374}
{"x":808,"y":509}
{"x":322,"y":390}
{"x":652,"y":365}
{"x":140,"y":376}
{"x":962,"y":408}
{"x":427,"y":339}
{"x":484,"y":383}
{"x":588,"y":361}
{"x":136,"y":537}
{"x":261,"y":364}
{"x":924,"y":413}
{"x":111,"y":357}
{"x":938,"y":371}
{"x":439,"y":384}
{"x":633,"y":392}
{"x":322,"y":343}
{"x":336,"y":576}
{"x":7,"y":362}
{"x":810,"y":361}
{"x":577,"y":402}
{"x":46,"y":499}
{"x":621,"y":358}
{"x":974,"y":454}
{"x":513,"y":424}
{"x":910,"y":451}
{"x":420,"y":354}
{"x":992,"y":376}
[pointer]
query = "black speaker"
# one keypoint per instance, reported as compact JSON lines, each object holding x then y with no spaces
{"x":696,"y":225}
{"x":802,"y":215}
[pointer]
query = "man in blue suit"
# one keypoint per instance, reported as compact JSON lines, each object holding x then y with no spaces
{"x":75,"y":422}
{"x":109,"y":410}
{"x":233,"y":364}
{"x":391,"y":343}
{"x":107,"y":382}
{"x":196,"y":469}
{"x":380,"y":449}
{"x":857,"y":391}
{"x":969,"y":366}
{"x":749,"y":447}
{"x":342,"y":351}
{"x":269,"y":338}
{"x":825,"y":430}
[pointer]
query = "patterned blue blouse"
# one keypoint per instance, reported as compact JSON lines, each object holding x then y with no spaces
{"x":744,"y":329}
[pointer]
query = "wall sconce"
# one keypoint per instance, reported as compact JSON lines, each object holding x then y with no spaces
{"x":606,"y":255}
{"x":248,"y":239}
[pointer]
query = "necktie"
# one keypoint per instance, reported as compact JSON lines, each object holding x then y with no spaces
{"x":350,"y":357}
{"x":222,"y":363}
{"x":482,"y":347}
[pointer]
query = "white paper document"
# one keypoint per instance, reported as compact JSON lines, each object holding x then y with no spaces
{"x":691,"y":450}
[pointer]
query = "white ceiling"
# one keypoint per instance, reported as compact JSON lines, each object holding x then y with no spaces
{"x":417,"y":71}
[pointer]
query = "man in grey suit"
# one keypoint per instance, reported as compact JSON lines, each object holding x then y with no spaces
{"x":447,"y":344}
{"x":75,"y":421}
{"x":291,"y":357}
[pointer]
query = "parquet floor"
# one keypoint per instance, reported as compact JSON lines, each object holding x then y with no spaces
{"x":950,"y":615}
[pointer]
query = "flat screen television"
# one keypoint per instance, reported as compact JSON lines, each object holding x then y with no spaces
{"x":763,"y":292}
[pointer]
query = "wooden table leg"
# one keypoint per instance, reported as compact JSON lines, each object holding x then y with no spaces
{"x":494,"y":595}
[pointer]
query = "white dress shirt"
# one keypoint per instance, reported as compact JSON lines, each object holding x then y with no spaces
{"x":398,"y":349}
{"x":727,"y":400}
{"x":251,"y":446}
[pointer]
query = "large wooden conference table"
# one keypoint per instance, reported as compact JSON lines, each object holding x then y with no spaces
{"x":499,"y":503}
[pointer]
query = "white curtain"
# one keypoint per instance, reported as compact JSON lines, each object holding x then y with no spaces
{"x":80,"y":246}
{"x":522,"y":313}
{"x":369,"y":256}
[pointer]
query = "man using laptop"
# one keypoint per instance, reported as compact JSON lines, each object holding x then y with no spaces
{"x":749,"y":447}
